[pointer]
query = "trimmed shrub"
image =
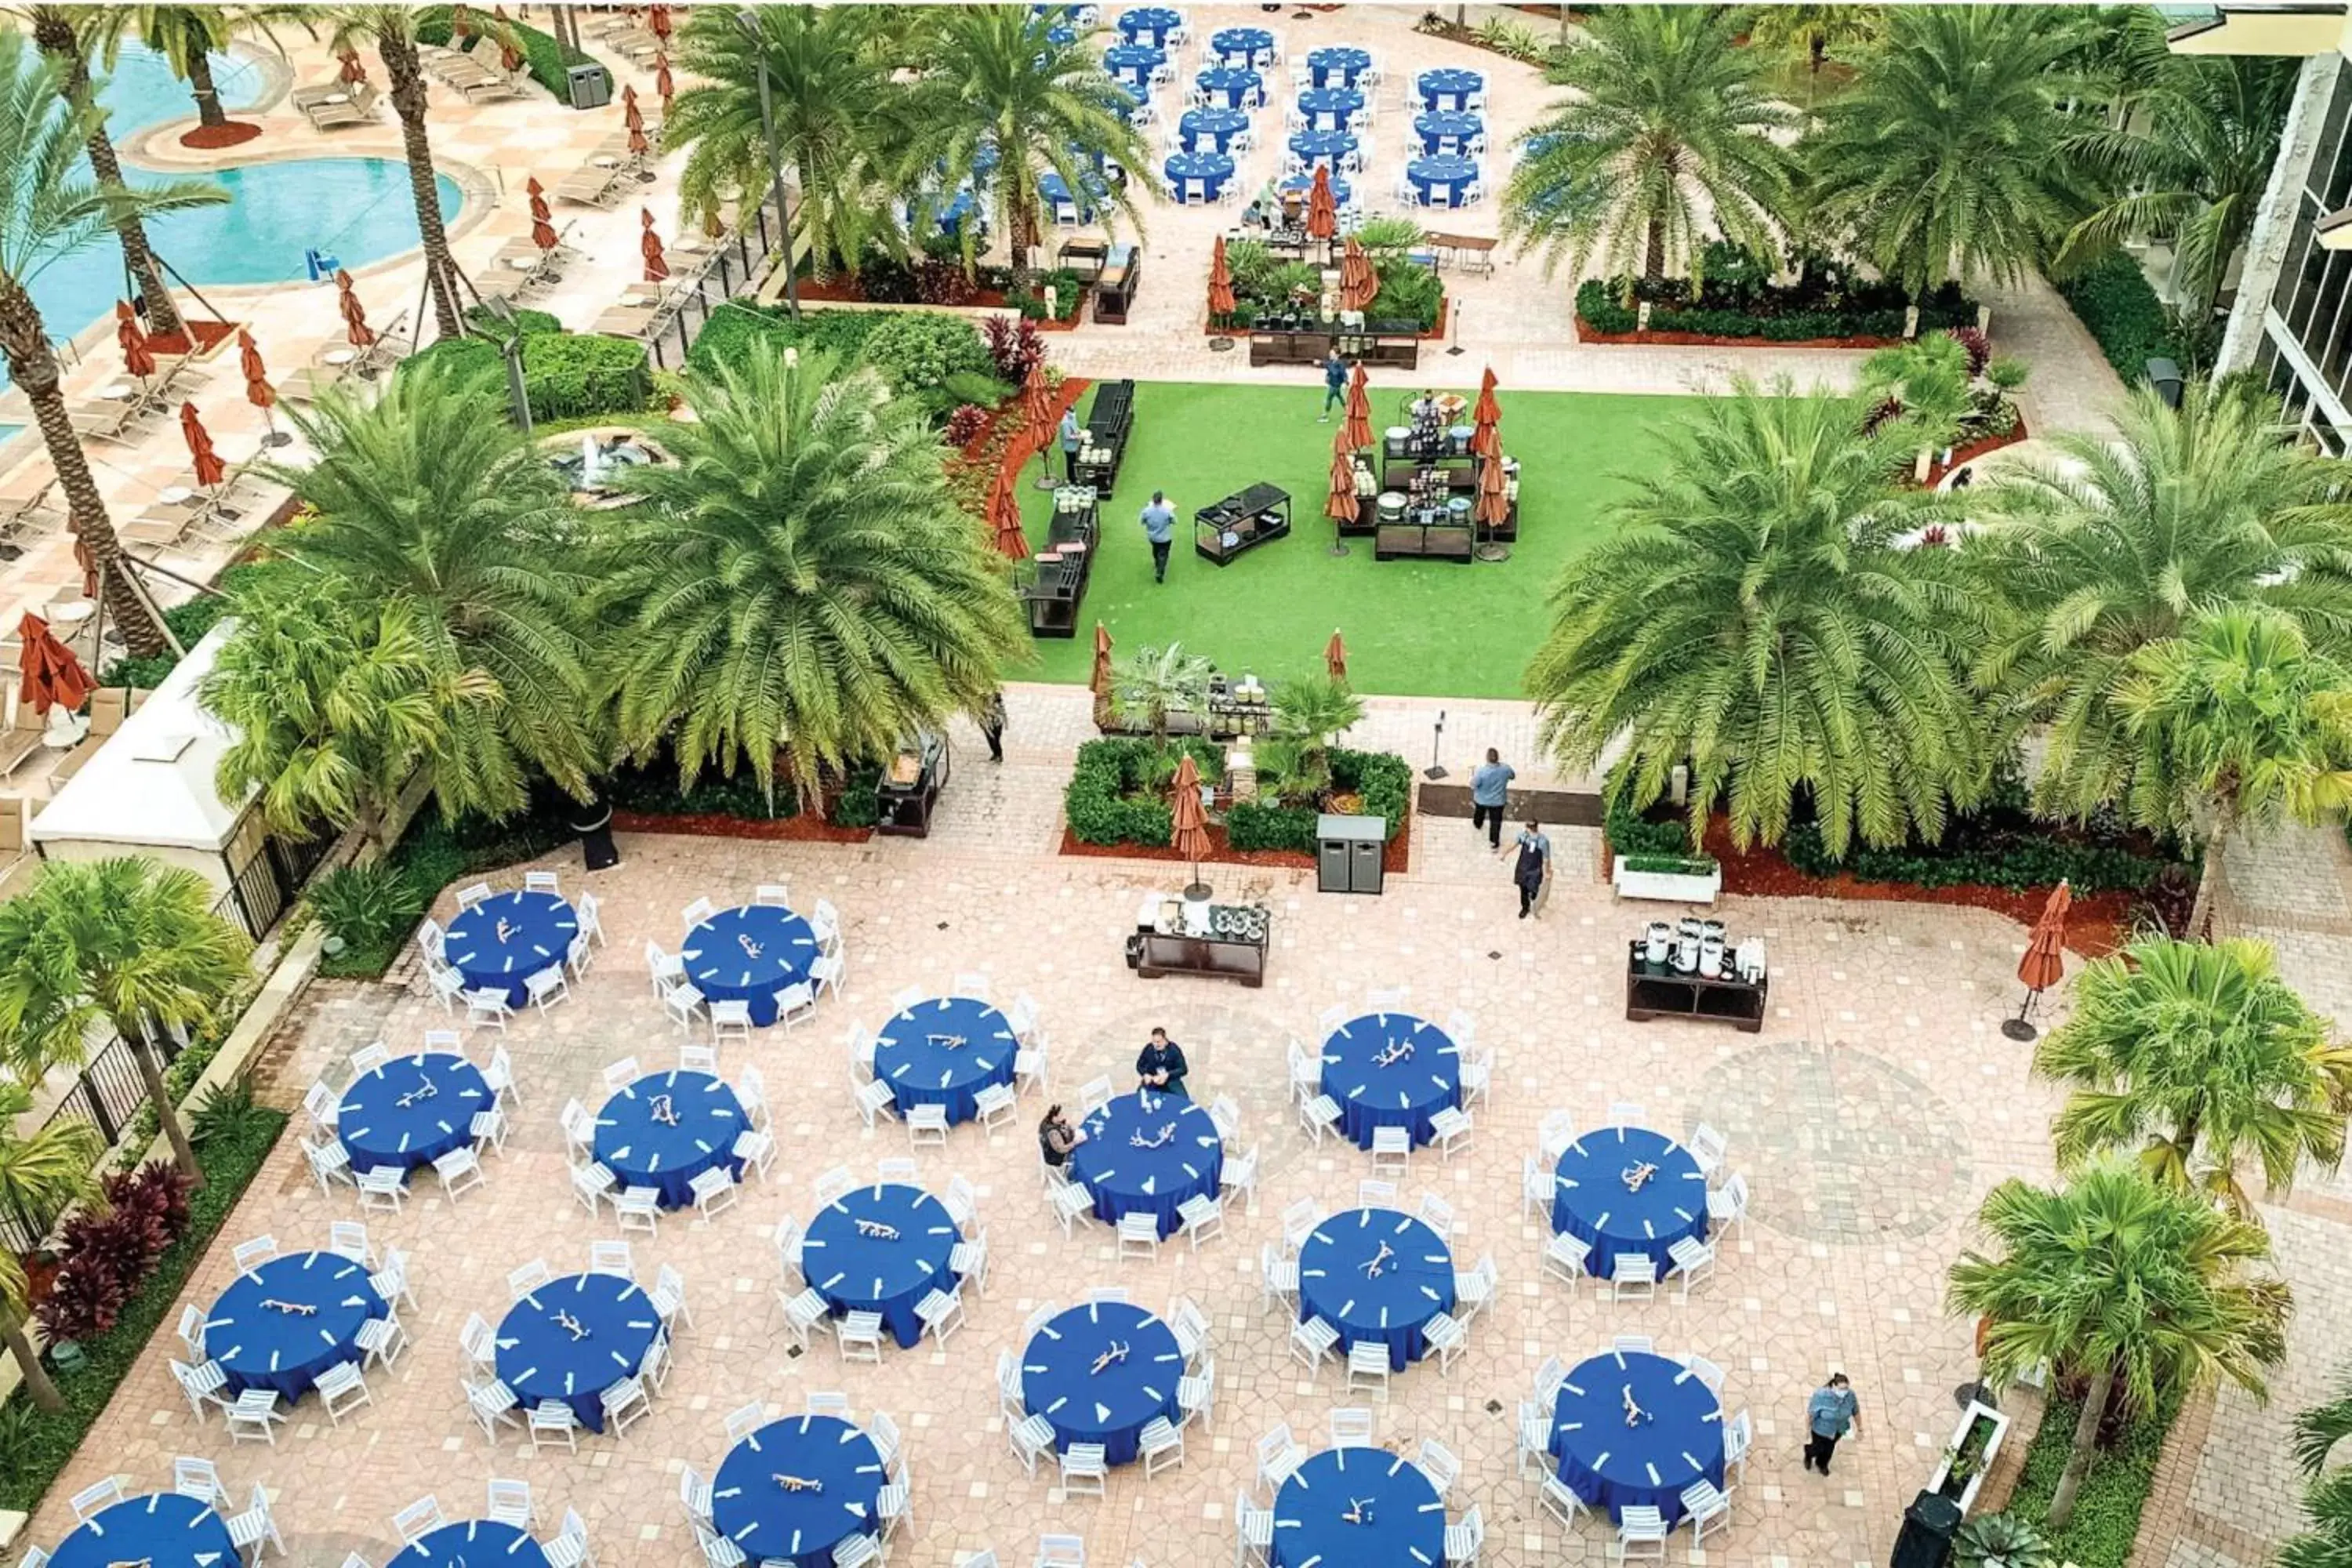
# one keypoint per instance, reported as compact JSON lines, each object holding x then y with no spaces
{"x":569,"y":375}
{"x":1382,"y":780}
{"x":1660,"y":831}
{"x":1737,"y":298}
{"x":917,"y":351}
{"x":1107,"y":803}
{"x":2107,"y":1509}
{"x":2115,"y":303}
{"x":1996,"y":848}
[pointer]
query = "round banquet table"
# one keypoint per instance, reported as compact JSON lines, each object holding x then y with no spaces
{"x":1408,"y":1090}
{"x":1591,"y":1201}
{"x":724,"y":969}
{"x":1342,"y":192}
{"x":1328,"y":147}
{"x":473,"y":1544}
{"x":1211,"y":169}
{"x":1134,"y":63}
{"x":1450,"y":178}
{"x":262,"y":1344}
{"x":1055,"y":190}
{"x":411,"y":1111}
{"x":1327,"y":108}
{"x":541,"y":1358}
{"x":1615,"y":1465}
{"x":1242,"y":46}
{"x":1149,"y":25}
{"x":1406,"y":1527}
{"x":1111,"y":1407}
{"x":1336,"y":66}
{"x":1446,"y":134}
{"x":1416,"y":1280}
{"x":858,"y":1272}
{"x":1185,"y":1160}
{"x":538,"y":927}
{"x":774,"y":1525}
{"x":1218,"y":127}
{"x":910,"y":1054}
{"x":1449,"y":87}
{"x":161,"y":1530}
{"x":666,"y":1129}
{"x":1230,"y":86}
{"x":962,"y":206}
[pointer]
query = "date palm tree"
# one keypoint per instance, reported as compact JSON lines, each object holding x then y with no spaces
{"x":2198,"y":1058}
{"x":2326,"y":1541}
{"x":126,"y":945}
{"x":799,"y":585}
{"x":41,"y":1173}
{"x":1152,"y":683}
{"x":1811,"y":34}
{"x":2139,"y":1290}
{"x":188,"y":36}
{"x":50,"y":212}
{"x":1752,"y":617}
{"x":1669,"y":130}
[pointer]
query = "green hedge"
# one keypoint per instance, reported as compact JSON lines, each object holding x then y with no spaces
{"x":1110,"y":769}
{"x":565,"y":375}
{"x":1597,"y":308}
{"x":727,"y":339}
{"x":2107,"y":1509}
{"x":544,"y":56}
{"x":2114,"y":302}
{"x":1739,"y":299}
{"x":36,"y":1446}
{"x":1990,"y":849}
{"x":1631,"y":833}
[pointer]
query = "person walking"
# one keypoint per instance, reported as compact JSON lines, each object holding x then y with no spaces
{"x":1159,"y":522}
{"x":1534,"y":862}
{"x":992,"y":726}
{"x":1490,"y":792}
{"x":1833,"y":1412}
{"x":1070,"y":442}
{"x":1335,"y":384}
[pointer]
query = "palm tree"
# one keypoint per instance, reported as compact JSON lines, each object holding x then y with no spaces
{"x":428,"y":494}
{"x":1811,"y":34}
{"x":1938,"y":162}
{"x":800,"y":583}
{"x":1313,"y":710}
{"x":335,"y":706}
{"x":48,"y":212}
{"x":40,"y":1173}
{"x":124,"y":944}
{"x":2139,"y":1290}
{"x":1752,"y":617}
{"x":995,"y":85}
{"x":2327,"y":1504}
{"x":2198,"y":1058}
{"x":188,"y":36}
{"x":1154,"y":682}
{"x":1669,"y":130}
{"x":1927,"y":378}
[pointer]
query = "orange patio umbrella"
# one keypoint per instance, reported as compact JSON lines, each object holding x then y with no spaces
{"x":1340,"y":506}
{"x":2043,"y":961}
{"x":1486,"y":411}
{"x":258,"y":390}
{"x":649,"y":246}
{"x":1493,"y":506}
{"x":52,"y":674}
{"x":354,"y":71}
{"x":638,"y":144}
{"x":1004,"y":516}
{"x":355,"y":328}
{"x":1189,"y":823}
{"x":1357,"y":282}
{"x":534,"y":190}
{"x":510,"y":58}
{"x":662,"y":84}
{"x":1356,"y":427}
{"x":1322,"y":212}
{"x":1221,"y":283}
{"x":1335,"y":657}
{"x":210,"y":469}
{"x":138,"y":358}
{"x":1098,"y":681}
{"x":1037,"y":417}
{"x":631,"y":115}
{"x":657,"y":22}
{"x":543,"y":235}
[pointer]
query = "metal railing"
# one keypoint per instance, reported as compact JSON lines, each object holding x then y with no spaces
{"x":106,"y":1093}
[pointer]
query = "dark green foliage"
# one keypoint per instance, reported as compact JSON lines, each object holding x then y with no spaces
{"x":2107,"y":1509}
{"x":2115,"y":303}
{"x":1670,"y":865}
{"x":189,"y":622}
{"x":1737,"y":300}
{"x":227,"y":1112}
{"x":565,"y":375}
{"x":917,"y":351}
{"x":1108,"y":801}
{"x":1995,"y":849}
{"x":543,"y":56}
{"x":372,"y":908}
{"x":1409,"y":292}
{"x":1068,"y":295}
{"x":857,"y":805}
{"x":1633,"y":833}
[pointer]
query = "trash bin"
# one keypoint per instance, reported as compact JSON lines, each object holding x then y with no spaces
{"x":2165,"y":376}
{"x":591,"y":86}
{"x":1348,"y":853}
{"x":1929,"y":1526}
{"x":593,"y":823}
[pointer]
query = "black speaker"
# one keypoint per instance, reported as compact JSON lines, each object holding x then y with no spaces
{"x":1929,"y":1525}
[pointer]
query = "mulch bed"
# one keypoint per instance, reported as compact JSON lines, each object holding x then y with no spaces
{"x":1963,"y":455}
{"x":213,"y":138}
{"x":1396,"y":859}
{"x":841,"y":291}
{"x":1586,"y":334}
{"x":209,"y":335}
{"x":798,"y":829}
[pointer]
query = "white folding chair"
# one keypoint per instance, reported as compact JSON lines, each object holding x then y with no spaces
{"x":1393,"y":1149}
{"x":98,"y":1496}
{"x":542,"y":882}
{"x":341,"y":1388}
{"x":251,"y":1255}
{"x":927,"y":1124}
{"x":777,"y":895}
{"x":508,"y":1502}
{"x":460,"y":1171}
{"x":467,"y":897}
{"x":191,"y":1477}
{"x":1084,"y":1469}
{"x":487,"y":1007}
{"x":418,"y":1520}
{"x":1632,"y":1344}
{"x":1450,"y":1129}
{"x":1727,"y":1206}
{"x":1278,"y":1454}
{"x":1093,"y":1094}
{"x":1626,"y":1113}
{"x":732,"y":1017}
{"x":1640,"y":1526}
{"x":1368,"y":1361}
{"x":859,"y":1337}
{"x":1312,"y":1340}
{"x":695,"y":913}
{"x":1371,"y":1194}
{"x":1693,"y":1259}
{"x":1351,"y":1426}
{"x":1631,"y":1273}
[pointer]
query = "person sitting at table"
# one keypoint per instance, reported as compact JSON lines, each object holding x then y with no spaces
{"x":1056,"y":1137}
{"x":1424,"y":408}
{"x":1161,"y":1065}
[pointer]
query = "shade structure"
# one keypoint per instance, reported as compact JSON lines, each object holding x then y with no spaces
{"x":663,"y":83}
{"x":1493,"y":506}
{"x":1340,"y":505}
{"x":210,"y":469}
{"x":1485,"y":434}
{"x":2042,"y":964}
{"x":1099,"y":680}
{"x":649,"y":246}
{"x":1322,"y":212}
{"x":657,"y":21}
{"x":1356,"y":428}
{"x":1335,"y":657}
{"x":535,"y":191}
{"x":542,"y":234}
{"x":52,"y":674}
{"x":1188,"y":822}
{"x":1004,"y":517}
{"x":355,"y":328}
{"x":138,"y":358}
{"x":258,"y":390}
{"x":1357,"y":282}
{"x":354,"y":69}
{"x":631,"y":115}
{"x":1037,"y":408}
{"x":638,"y":145}
{"x":1486,"y":411}
{"x":1221,"y":283}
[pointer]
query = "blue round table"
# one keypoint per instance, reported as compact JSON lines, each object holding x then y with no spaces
{"x":503,"y":940}
{"x":1592,"y":1201}
{"x":474,"y":1543}
{"x":1446,"y":134}
{"x":857,"y":1267}
{"x":541,"y":1356}
{"x":1242,"y":46}
{"x":411,"y":1111}
{"x":666,"y":1129}
{"x":1327,"y":108}
{"x":1451,"y":176}
{"x":1055,"y":190}
{"x":1230,"y":86}
{"x":1325,"y":147}
{"x":1614,"y":1463}
{"x":1134,"y":63}
{"x":1336,"y":1284}
{"x":1400,"y":1518}
{"x":1149,"y":25}
{"x":951,"y":216}
{"x":1342,"y":192}
{"x":747,"y":955}
{"x":161,"y":1530}
{"x":1336,"y":66}
{"x":1448,"y":88}
{"x":281,"y":1323}
{"x":1390,"y":1069}
{"x":1111,"y":1407}
{"x":1148,"y":1153}
{"x":798,"y":1525}
{"x":1219,"y":126}
{"x":913,"y":1054}
{"x":1211,"y":169}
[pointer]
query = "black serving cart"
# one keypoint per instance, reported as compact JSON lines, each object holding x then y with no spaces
{"x":1241,"y":522}
{"x":1108,"y":424}
{"x":1234,"y":948}
{"x":1065,"y":565}
{"x":1115,"y":286}
{"x":910,"y":787}
{"x":1662,"y":991}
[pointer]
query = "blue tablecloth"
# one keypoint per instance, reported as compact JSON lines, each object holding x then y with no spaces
{"x":474,"y":1543}
{"x":262,"y":1346}
{"x":1453,"y":177}
{"x":1231,"y":86}
{"x":1313,"y":147}
{"x":1406,"y":1092}
{"x":1055,"y":189}
{"x":960,"y":206}
{"x":1612,"y":1465}
{"x":1211,"y":169}
{"x":538,"y":927}
{"x":1111,"y":1407}
{"x":924,"y":1071}
{"x":724,"y":970}
{"x":1134,"y":63}
{"x":163,"y":1530}
{"x":1242,"y":46}
{"x":774,"y":1525}
{"x":1336,"y":66}
{"x":411,"y":1111}
{"x":1416,"y":1279}
{"x":1149,"y":24}
{"x":1449,"y":87}
{"x":1407,"y":1524}
{"x":1126,"y":1179}
{"x":1590,"y":1200}
{"x":541,"y":1358}
{"x":1219,"y":126}
{"x":1342,"y":192}
{"x":883,"y":1274}
{"x":1446,"y":133}
{"x":1327,"y":108}
{"x":666,"y":1129}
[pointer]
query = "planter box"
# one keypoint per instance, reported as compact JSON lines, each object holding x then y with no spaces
{"x":1671,"y":887}
{"x":1969,"y":1418}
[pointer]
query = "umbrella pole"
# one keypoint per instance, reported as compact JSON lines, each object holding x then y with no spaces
{"x":2017,"y":1029}
{"x":275,"y":438}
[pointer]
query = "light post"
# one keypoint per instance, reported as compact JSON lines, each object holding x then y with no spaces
{"x":750,"y":25}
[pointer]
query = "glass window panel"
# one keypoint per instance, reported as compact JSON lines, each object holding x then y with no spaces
{"x":2330,"y":173}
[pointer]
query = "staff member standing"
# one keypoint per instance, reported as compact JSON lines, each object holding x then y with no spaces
{"x":1070,"y":440}
{"x":1160,"y":1064}
{"x":1159,"y":522}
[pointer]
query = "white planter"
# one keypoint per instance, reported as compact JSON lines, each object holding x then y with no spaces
{"x":1969,"y":1418}
{"x":1671,"y":887}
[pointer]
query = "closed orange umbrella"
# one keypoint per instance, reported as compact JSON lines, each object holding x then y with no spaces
{"x":657,"y":22}
{"x":1322,"y":212}
{"x":1487,"y":438}
{"x":2043,"y":962}
{"x":542,"y":234}
{"x":210,"y":469}
{"x":1356,"y":428}
{"x":1037,"y":407}
{"x":1335,"y":657}
{"x":1357,"y":282}
{"x":1340,"y":505}
{"x":540,"y":210}
{"x":1493,"y":506}
{"x":1189,"y":823}
{"x":354,"y":71}
{"x":631,"y":115}
{"x":461,"y":23}
{"x":638,"y":144}
{"x":649,"y":246}
{"x":510,"y":58}
{"x":355,"y":327}
{"x":138,"y":358}
{"x":662,"y":84}
{"x":1099,"y":682}
{"x":52,"y":674}
{"x":1221,"y":283}
{"x":1487,"y":411}
{"x":1004,"y":516}
{"x":258,"y":390}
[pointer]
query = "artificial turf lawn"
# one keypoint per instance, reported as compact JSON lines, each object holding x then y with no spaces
{"x":1412,"y":628}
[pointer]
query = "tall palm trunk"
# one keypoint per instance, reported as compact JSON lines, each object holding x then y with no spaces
{"x":402,"y":69}
{"x":2208,"y":881}
{"x":34,"y":368}
{"x":43,"y":1392}
{"x":1654,"y":253}
{"x":55,"y":35}
{"x":159,"y":1095}
{"x":2078,"y":1457}
{"x":200,"y":82}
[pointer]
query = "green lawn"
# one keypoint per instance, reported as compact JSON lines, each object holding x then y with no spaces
{"x":1414,"y":627}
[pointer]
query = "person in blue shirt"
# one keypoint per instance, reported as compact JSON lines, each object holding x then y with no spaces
{"x":1833,"y":1412}
{"x":1490,"y":792}
{"x":1335,"y":384}
{"x":1159,"y":522}
{"x":1534,"y":863}
{"x":1070,"y":441}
